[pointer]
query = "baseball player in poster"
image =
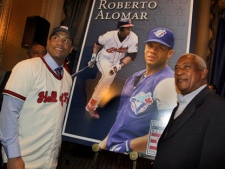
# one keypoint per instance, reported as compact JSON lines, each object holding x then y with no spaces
{"x":35,"y":100}
{"x":149,"y":94}
{"x":119,"y":49}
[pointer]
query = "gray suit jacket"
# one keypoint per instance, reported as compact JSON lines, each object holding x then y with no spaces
{"x":196,"y":138}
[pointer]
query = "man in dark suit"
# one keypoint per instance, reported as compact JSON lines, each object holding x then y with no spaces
{"x":195,"y":135}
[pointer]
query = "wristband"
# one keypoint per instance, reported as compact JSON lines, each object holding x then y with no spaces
{"x":122,"y":64}
{"x":127,"y":145}
{"x":93,"y":56}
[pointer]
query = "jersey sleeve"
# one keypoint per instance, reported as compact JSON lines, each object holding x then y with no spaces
{"x":102,"y":39}
{"x":9,"y":125}
{"x":20,"y":81}
{"x":133,"y":47}
{"x":165,"y":94}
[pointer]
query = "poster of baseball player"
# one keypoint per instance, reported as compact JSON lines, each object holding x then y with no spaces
{"x":115,"y":44}
{"x":111,"y":59}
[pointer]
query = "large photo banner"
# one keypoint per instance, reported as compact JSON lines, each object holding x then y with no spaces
{"x":99,"y":93}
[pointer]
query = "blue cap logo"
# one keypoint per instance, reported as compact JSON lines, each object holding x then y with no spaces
{"x":161,"y":35}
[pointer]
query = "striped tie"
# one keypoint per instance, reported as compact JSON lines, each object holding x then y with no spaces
{"x":59,"y":71}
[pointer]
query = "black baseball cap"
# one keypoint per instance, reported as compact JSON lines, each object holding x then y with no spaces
{"x":63,"y":29}
{"x":124,"y":22}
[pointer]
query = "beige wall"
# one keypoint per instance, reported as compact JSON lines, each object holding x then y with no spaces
{"x":21,"y":9}
{"x":13,"y":52}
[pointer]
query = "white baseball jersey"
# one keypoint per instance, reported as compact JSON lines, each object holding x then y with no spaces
{"x":112,"y":52}
{"x":113,"y":49}
{"x":45,"y":97}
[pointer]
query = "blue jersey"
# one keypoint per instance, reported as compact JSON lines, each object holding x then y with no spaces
{"x":139,"y":105}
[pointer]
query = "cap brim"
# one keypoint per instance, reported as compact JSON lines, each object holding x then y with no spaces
{"x":62,"y":30}
{"x":127,"y":25}
{"x":159,"y":41}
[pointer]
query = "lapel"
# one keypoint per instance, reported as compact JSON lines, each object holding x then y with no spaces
{"x":174,"y":125}
{"x":169,"y":123}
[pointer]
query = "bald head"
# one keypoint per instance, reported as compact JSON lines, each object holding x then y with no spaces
{"x":190,"y":73}
{"x":199,"y":61}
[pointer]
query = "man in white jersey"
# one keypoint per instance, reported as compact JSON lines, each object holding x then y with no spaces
{"x":36,"y":49}
{"x":119,"y":49}
{"x":34,"y":105}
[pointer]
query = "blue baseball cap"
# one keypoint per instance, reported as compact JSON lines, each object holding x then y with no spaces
{"x":161,"y":35}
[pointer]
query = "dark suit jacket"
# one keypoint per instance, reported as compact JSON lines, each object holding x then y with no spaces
{"x":196,"y":138}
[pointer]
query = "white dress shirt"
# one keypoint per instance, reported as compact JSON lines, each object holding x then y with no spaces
{"x":184,"y":100}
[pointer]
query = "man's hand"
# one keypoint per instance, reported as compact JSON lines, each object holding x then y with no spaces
{"x":15,"y":163}
{"x":115,"y":69}
{"x":102,"y":145}
{"x":92,"y":61}
{"x":122,"y":147}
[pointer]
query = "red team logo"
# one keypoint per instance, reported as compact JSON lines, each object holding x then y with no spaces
{"x":64,"y":98}
{"x":119,"y":50}
{"x":46,"y":98}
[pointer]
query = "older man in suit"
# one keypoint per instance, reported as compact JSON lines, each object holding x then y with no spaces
{"x":195,"y":135}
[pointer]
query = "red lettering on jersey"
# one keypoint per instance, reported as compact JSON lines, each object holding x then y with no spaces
{"x":44,"y":97}
{"x":64,"y":98}
{"x":119,"y":50}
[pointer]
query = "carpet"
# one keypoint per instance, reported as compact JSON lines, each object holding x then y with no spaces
{"x":75,"y":156}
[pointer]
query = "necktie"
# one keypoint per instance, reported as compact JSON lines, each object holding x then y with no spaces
{"x":59,"y":71}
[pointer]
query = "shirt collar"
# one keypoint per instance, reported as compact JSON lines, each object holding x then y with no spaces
{"x":187,"y":98}
{"x":50,"y":61}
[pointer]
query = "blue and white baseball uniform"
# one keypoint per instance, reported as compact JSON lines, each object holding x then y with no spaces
{"x":148,"y":100}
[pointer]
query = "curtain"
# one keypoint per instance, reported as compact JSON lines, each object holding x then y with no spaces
{"x":75,"y":15}
{"x":218,"y":66}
